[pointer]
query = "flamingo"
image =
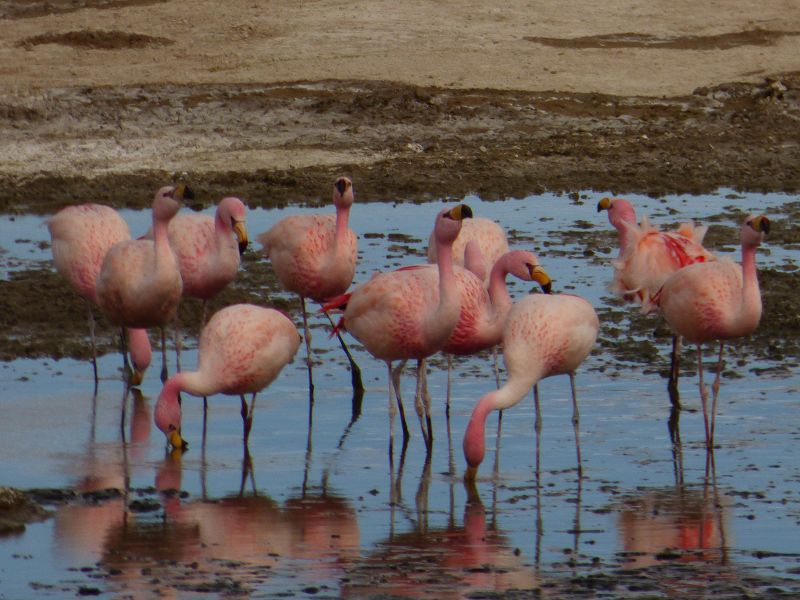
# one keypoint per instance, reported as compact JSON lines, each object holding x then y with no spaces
{"x":208,"y":250}
{"x":483,"y":312}
{"x":243,"y":348}
{"x":139,"y":284}
{"x":481,"y":242}
{"x":314,"y":256}
{"x":648,"y":256}
{"x":544,"y":335}
{"x":81,"y":235}
{"x":716,"y":301}
{"x":399,"y":315}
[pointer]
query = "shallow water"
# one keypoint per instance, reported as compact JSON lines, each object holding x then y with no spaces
{"x":323,"y":512}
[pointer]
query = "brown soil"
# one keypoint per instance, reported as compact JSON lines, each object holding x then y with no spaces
{"x":108,"y":100}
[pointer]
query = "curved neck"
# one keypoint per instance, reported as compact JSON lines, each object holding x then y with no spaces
{"x":498,"y":290}
{"x":475,"y":435}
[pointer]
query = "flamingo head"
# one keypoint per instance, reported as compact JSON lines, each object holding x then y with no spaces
{"x":620,"y":211}
{"x":168,"y":415}
{"x":474,"y":444}
{"x":343,"y":196}
{"x":168,"y":200}
{"x":525,"y":265}
{"x":233,"y":213}
{"x":754,"y":228}
{"x":448,"y":223}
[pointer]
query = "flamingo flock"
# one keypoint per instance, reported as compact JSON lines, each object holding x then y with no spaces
{"x":457,"y":304}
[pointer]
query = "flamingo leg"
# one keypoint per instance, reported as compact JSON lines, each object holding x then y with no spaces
{"x":675,"y":372}
{"x":93,"y":343}
{"x":178,"y":340}
{"x":164,"y":373}
{"x":537,"y":426}
{"x":395,"y":381}
{"x":715,"y":390}
{"x":449,"y":385}
{"x":419,"y":401}
{"x":392,"y":410}
{"x":703,"y":395}
{"x":307,"y":338}
{"x":355,"y":370}
{"x":576,"y":418}
{"x":127,"y":374}
{"x":426,"y":397}
{"x":247,"y":417}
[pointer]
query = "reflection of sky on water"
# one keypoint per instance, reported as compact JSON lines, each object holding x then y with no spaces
{"x":48,"y":438}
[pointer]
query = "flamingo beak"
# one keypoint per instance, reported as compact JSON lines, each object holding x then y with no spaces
{"x":137,"y":376}
{"x":183,"y":192}
{"x":760,"y":223}
{"x":460,"y":212}
{"x":176,"y":441}
{"x":604,"y":204}
{"x":341,"y":185}
{"x":240,"y":229}
{"x":540,"y":276}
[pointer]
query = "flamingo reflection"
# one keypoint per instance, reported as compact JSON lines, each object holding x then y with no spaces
{"x":450,"y":561}
{"x":683,"y":523}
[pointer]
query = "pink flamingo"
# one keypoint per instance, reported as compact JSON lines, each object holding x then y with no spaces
{"x":648,"y":256}
{"x":716,"y":301}
{"x":544,"y":335}
{"x":81,"y":235}
{"x":208,"y":250}
{"x":481,"y":242}
{"x":139,"y":284}
{"x":484,"y":311}
{"x":314,"y":256}
{"x":399,"y":315}
{"x":243,"y":348}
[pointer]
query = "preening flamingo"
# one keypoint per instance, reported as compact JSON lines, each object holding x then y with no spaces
{"x":208,"y":250}
{"x":484,"y":311}
{"x":398,"y":315}
{"x":81,"y":235}
{"x":648,"y":256}
{"x":243,"y":348}
{"x":544,"y":335}
{"x":139,"y":284}
{"x":314,"y":256}
{"x":716,"y":301}
{"x":477,"y":248}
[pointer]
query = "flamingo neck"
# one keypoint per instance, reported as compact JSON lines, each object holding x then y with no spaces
{"x":440,"y":323}
{"x":160,"y":239}
{"x":623,"y":217}
{"x":498,"y":290}
{"x":340,"y":234}
{"x":475,"y":435}
{"x":751,"y":293}
{"x":195,"y":383}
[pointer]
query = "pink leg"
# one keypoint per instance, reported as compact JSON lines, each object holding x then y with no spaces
{"x":715,"y":390}
{"x":703,"y":395}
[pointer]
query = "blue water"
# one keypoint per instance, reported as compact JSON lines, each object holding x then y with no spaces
{"x":325,"y":513}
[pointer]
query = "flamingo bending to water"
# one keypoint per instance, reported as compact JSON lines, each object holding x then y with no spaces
{"x":314,"y":256}
{"x":139,"y":284}
{"x":243,"y":348}
{"x":484,"y":311}
{"x":399,"y":315}
{"x":716,"y":301}
{"x":81,"y":235}
{"x":648,"y":256}
{"x":544,"y":335}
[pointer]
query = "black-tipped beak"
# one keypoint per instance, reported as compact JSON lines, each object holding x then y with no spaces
{"x":341,"y":185}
